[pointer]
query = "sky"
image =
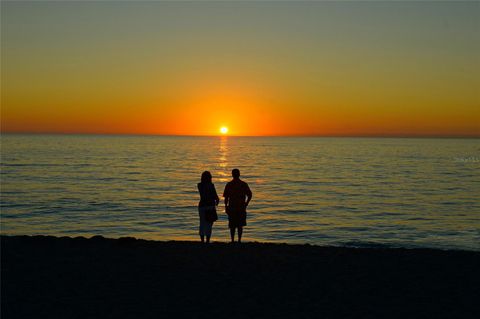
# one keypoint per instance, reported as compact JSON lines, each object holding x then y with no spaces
{"x":348,"y":68}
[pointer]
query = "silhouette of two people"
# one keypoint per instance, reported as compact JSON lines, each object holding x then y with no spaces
{"x":237,"y":196}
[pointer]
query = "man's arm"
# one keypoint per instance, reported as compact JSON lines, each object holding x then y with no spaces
{"x":249,"y":196}
{"x":226,"y":205}
{"x":226,"y":196}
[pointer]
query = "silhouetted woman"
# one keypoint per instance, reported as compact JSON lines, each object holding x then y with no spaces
{"x":206,"y":207}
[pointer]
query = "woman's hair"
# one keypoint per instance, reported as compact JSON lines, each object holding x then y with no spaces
{"x":206,"y":177}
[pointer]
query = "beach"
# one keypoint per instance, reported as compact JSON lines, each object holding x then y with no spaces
{"x":53,"y":277}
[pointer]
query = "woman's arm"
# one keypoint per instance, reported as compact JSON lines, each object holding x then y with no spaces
{"x":217,"y":200}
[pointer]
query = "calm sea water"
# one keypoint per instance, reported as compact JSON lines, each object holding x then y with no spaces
{"x":326,"y":191}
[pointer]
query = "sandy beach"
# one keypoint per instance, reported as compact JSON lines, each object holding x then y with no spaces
{"x":50,"y":277}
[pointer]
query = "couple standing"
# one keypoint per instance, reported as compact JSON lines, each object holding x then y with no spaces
{"x":237,"y":195}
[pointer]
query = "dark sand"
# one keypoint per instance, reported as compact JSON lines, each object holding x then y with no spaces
{"x":48,"y":277}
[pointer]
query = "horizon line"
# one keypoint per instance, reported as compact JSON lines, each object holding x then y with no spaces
{"x":227,"y":135}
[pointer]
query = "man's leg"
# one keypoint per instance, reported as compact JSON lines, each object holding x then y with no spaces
{"x":240,"y":232}
{"x":232,"y":234}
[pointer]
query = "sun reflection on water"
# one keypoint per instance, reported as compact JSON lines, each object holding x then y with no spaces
{"x":222,"y":160}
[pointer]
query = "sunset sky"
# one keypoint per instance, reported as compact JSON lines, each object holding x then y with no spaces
{"x":258,"y":68}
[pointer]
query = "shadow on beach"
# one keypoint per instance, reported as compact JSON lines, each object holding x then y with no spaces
{"x":49,"y":277}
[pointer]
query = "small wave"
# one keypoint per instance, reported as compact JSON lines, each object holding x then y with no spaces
{"x":29,"y":164}
{"x":366,"y":244}
{"x":353,"y":228}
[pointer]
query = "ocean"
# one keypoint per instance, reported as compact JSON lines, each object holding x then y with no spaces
{"x":361,"y":192}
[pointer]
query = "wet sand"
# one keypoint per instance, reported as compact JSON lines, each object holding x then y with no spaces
{"x":49,"y":277}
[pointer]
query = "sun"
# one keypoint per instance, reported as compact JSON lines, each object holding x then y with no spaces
{"x":224,"y":130}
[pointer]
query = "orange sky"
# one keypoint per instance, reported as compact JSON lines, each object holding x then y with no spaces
{"x":340,"y":69}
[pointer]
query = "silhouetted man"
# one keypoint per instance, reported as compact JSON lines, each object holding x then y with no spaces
{"x":237,"y":196}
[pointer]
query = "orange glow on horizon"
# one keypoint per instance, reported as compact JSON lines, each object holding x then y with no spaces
{"x":243,"y":109}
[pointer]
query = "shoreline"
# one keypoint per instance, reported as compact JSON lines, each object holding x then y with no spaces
{"x":64,"y":277}
{"x":347,"y":245}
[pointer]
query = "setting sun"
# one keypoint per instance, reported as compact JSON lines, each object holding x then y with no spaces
{"x":224,"y":130}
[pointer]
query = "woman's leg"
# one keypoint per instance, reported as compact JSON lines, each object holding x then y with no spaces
{"x":240,"y":232}
{"x":232,"y":234}
{"x":201,"y":229}
{"x":208,"y":230}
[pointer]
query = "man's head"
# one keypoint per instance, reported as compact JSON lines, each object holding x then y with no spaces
{"x":235,"y":173}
